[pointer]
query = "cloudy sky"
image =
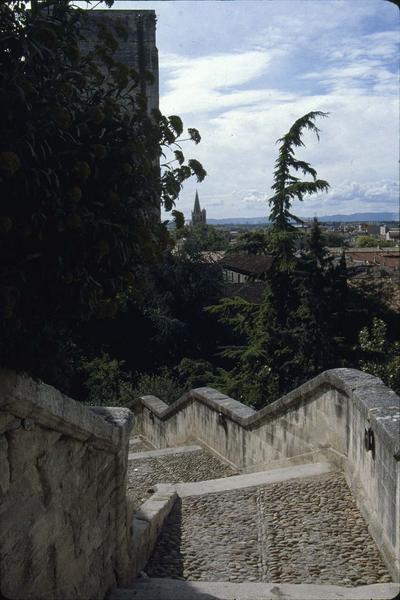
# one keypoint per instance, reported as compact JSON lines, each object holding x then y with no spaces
{"x":241,"y":71}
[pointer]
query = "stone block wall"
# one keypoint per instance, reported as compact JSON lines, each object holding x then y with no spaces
{"x":63,"y":513}
{"x":138,"y":51}
{"x":329,"y":414}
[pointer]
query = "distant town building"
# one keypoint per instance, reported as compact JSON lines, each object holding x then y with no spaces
{"x":393,"y":235}
{"x":383,"y":230}
{"x":198,"y":215}
{"x":387,"y":257}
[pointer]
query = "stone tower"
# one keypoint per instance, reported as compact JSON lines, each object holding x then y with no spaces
{"x":138,"y":51}
{"x":198,"y":215}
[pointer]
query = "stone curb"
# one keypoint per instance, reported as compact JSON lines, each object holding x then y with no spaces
{"x":146,"y":525}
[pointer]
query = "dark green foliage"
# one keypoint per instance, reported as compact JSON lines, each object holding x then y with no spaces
{"x":365,"y":241}
{"x":252,"y":242}
{"x":179,"y":219}
{"x":200,"y":238}
{"x":334,"y":240}
{"x":282,"y":342}
{"x":106,"y":381}
{"x":309,"y":318}
{"x":380,"y":357}
{"x":317,"y":323}
{"x":162,"y":385}
{"x":195,"y":373}
{"x":279,"y":347}
{"x":181,"y":287}
{"x":80,"y":183}
{"x":167,"y":324}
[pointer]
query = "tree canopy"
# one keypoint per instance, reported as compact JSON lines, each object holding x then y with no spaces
{"x":282,"y":342}
{"x":80,"y":181}
{"x":256,"y":242}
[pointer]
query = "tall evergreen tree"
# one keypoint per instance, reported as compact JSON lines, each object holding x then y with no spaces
{"x":317,"y":322}
{"x":288,"y":187}
{"x":273,"y":356}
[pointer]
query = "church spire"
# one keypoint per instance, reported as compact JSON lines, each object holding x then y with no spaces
{"x":196,"y":208}
{"x":198,"y":215}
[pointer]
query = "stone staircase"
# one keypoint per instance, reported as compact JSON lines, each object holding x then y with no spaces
{"x":290,"y":532}
{"x":172,"y":589}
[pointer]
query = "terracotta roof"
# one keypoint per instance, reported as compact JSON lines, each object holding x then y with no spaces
{"x":378,"y":257}
{"x":247,"y":264}
{"x":390,"y":260}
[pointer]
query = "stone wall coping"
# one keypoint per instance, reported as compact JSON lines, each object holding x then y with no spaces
{"x":378,"y":403}
{"x":35,"y":402}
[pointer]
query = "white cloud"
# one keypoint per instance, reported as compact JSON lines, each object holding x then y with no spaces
{"x":357,"y":144}
{"x":367,"y":62}
{"x":353,"y":196}
{"x":346,"y":197}
{"x":243,"y":71}
{"x":212,"y":83}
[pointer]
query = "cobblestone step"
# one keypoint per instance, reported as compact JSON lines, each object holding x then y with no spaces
{"x":172,"y":589}
{"x":184,"y":463}
{"x":291,"y":530}
{"x":299,"y":525}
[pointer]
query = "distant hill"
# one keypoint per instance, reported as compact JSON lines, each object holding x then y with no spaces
{"x":365,"y":217}
{"x":238,"y":221}
{"x":371,"y":216}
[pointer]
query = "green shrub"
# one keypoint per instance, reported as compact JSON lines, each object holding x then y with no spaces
{"x":106,"y":381}
{"x":380,"y":356}
{"x":163,"y":386}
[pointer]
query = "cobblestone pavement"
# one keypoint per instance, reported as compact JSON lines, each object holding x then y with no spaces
{"x":144,"y":473}
{"x":297,"y":531}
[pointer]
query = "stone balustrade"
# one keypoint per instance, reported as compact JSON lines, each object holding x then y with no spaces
{"x":65,"y":525}
{"x":63,"y":512}
{"x":350,"y":416}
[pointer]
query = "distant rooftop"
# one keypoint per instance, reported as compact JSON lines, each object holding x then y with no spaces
{"x":247,"y":264}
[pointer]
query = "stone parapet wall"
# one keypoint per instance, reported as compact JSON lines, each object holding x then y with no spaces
{"x":63,"y":510}
{"x":333,"y":412}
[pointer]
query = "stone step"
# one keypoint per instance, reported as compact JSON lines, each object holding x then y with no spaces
{"x":164,"y":452}
{"x":237,"y":482}
{"x":173,"y":589}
